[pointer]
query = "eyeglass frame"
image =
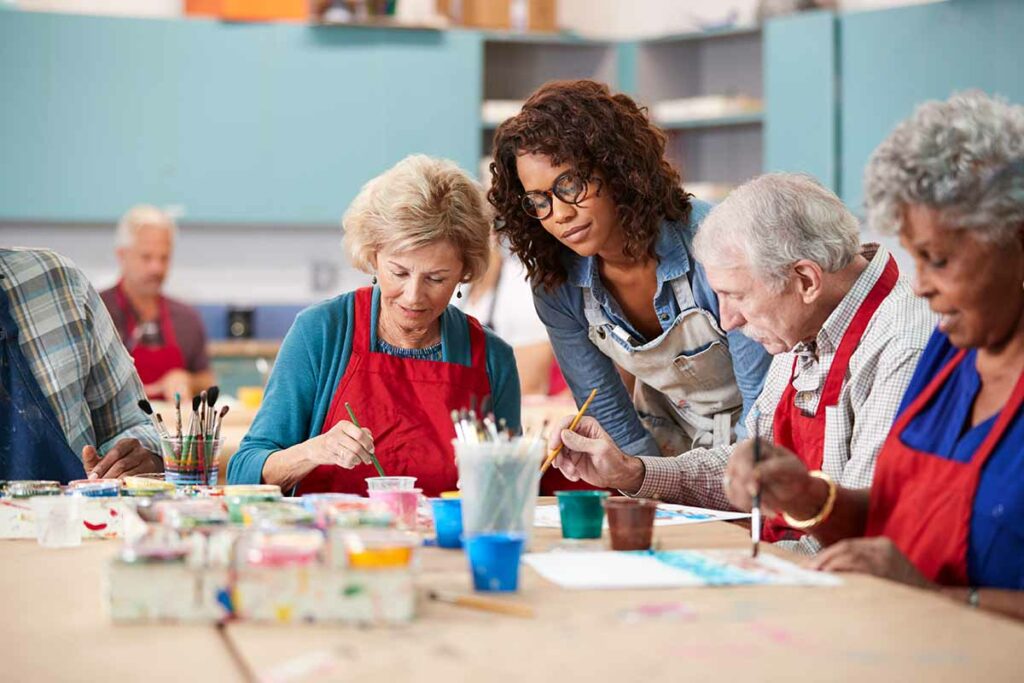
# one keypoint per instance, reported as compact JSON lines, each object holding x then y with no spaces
{"x":550,"y":194}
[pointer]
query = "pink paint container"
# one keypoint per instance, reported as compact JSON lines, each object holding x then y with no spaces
{"x":402,"y":503}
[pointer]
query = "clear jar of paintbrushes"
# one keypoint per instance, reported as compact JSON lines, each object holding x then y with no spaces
{"x":499,"y":481}
{"x":191,"y":460}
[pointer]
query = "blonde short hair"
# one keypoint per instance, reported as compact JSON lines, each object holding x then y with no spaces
{"x":138,"y":216}
{"x":417,"y":202}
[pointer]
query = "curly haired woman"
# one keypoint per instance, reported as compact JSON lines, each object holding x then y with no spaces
{"x":588,"y":202}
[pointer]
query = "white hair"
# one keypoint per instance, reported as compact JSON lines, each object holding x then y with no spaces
{"x":143,"y":215}
{"x":962,"y":157}
{"x":775,"y":220}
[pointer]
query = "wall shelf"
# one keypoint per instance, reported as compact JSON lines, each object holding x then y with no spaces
{"x":749,"y":119}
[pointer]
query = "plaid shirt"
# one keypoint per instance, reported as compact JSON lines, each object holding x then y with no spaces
{"x":75,"y":353}
{"x":855,"y":428}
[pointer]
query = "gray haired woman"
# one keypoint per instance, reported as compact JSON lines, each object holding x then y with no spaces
{"x":945,"y":510}
{"x":397,"y":352}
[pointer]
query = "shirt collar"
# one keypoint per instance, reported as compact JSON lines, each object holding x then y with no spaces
{"x":832,"y":331}
{"x":671,"y":248}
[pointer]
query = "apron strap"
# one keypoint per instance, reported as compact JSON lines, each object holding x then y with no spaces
{"x":361,"y":322}
{"x":853,"y":334}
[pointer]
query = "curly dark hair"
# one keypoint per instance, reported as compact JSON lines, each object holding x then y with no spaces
{"x":583,"y":124}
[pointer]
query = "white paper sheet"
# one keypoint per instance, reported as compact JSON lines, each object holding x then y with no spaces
{"x":672,"y":569}
{"x":547,"y":516}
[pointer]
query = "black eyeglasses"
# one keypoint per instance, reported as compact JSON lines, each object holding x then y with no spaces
{"x":568,"y":186}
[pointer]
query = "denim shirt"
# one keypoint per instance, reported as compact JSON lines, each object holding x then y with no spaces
{"x":585,"y":367}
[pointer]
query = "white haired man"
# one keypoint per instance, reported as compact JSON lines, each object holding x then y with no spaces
{"x":784,"y":257}
{"x":165,"y":337}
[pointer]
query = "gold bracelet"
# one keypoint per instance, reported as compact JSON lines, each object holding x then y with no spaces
{"x":826,"y":509}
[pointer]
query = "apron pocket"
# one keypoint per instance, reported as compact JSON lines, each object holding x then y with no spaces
{"x":710,"y":369}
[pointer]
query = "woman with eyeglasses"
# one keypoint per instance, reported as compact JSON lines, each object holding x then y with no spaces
{"x":587,"y":201}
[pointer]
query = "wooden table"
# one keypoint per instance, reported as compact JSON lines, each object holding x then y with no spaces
{"x":866,"y":630}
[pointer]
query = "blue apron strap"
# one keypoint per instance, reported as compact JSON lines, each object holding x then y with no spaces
{"x":34,"y":445}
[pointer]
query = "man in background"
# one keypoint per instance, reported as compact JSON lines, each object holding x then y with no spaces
{"x":165,"y":337}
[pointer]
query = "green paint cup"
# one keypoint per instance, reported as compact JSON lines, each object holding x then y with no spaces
{"x":582,"y":513}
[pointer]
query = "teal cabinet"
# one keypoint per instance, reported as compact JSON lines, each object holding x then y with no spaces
{"x":892,"y":60}
{"x":234,"y":122}
{"x":801,"y":111}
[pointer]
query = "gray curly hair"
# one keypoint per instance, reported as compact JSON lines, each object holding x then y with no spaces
{"x":963,"y":157}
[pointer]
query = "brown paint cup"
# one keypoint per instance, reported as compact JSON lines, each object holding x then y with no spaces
{"x":631,"y":522}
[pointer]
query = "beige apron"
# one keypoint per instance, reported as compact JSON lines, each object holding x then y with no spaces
{"x":686,"y":392}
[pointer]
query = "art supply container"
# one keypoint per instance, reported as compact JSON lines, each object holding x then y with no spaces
{"x":402,"y":503}
{"x":191,"y":513}
{"x":389,"y":483}
{"x":58,"y":520}
{"x":32,"y":487}
{"x":158,"y":544}
{"x":276,"y":514}
{"x":237,"y":496}
{"x":95,"y":488}
{"x":448,"y":521}
{"x":582,"y":513}
{"x":631,"y":522}
{"x":190,"y":460}
{"x":321,"y":505}
{"x":146,"y":485}
{"x":376,"y":548}
{"x":494,"y":561}
{"x":281,"y":547}
{"x":499,"y":481}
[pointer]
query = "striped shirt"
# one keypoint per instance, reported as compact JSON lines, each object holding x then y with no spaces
{"x":75,"y":354}
{"x":855,"y":428}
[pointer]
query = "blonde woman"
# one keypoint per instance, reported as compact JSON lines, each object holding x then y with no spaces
{"x":396,"y":351}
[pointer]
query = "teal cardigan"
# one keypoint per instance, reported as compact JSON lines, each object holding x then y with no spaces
{"x":312,"y":360}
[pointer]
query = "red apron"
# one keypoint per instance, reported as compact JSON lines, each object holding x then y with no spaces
{"x":805,"y":435}
{"x":406,"y":403}
{"x":151,"y":362}
{"x":924,"y":502}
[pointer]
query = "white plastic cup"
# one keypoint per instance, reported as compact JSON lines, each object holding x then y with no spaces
{"x":390,"y":483}
{"x":58,"y":521}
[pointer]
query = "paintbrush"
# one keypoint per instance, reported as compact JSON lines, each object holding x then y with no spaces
{"x":158,"y":424}
{"x":485,"y":604}
{"x":575,"y":421}
{"x":177,"y":414}
{"x":376,"y":463}
{"x":220,"y":421}
{"x":211,"y":399}
{"x":755,"y":509}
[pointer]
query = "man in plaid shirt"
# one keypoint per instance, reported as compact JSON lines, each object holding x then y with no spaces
{"x":784,"y":256}
{"x":69,"y":390}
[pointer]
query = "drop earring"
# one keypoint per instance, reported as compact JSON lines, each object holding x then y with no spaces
{"x":458,"y":292}
{"x":374,"y":280}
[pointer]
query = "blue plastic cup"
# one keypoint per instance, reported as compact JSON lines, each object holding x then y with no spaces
{"x":494,"y":560}
{"x":448,"y":522}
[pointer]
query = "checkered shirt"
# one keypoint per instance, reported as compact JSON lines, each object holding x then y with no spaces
{"x":855,"y":428}
{"x":75,"y":354}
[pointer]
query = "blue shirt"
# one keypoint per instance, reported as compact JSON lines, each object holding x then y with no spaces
{"x":995,"y":555}
{"x":586,"y":367}
{"x":312,"y":360}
